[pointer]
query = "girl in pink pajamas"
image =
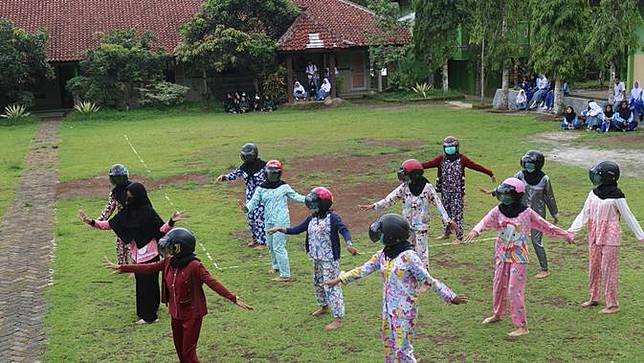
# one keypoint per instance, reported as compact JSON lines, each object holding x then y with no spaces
{"x":602,"y":210}
{"x":513,"y":221}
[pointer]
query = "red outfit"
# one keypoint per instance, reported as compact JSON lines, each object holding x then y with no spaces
{"x":182,"y":288}
{"x":465,"y":163}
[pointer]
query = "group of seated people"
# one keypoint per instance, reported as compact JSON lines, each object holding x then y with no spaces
{"x":236,"y":103}
{"x":538,"y":92}
{"x":319,"y":94}
{"x":603,"y":120}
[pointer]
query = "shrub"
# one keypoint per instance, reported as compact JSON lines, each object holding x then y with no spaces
{"x":164,"y":93}
{"x":421,"y":89}
{"x":86,"y":107}
{"x":274,"y":85}
{"x":15,"y":112}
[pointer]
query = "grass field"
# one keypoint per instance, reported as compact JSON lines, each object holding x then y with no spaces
{"x":14,"y":141}
{"x":349,"y":149}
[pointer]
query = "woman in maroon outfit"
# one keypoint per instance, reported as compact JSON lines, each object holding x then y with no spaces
{"x":183,"y":277}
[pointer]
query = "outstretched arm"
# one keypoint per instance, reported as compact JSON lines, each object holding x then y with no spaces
{"x":549,"y":199}
{"x":236,"y":173}
{"x":110,"y":207}
{"x":633,"y":224}
{"x":468,"y":163}
{"x":582,"y":217}
{"x":549,"y":229}
{"x":433,"y":163}
{"x":390,"y":199}
{"x":294,"y":196}
{"x":357,"y":273}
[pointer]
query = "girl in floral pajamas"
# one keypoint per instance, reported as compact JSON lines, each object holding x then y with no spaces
{"x":404,"y":277}
{"x":512,"y":221}
{"x":274,"y":194}
{"x":450,"y":182}
{"x":604,"y":206}
{"x":417,"y":194}
{"x":323,"y":228}
{"x":252,"y":171}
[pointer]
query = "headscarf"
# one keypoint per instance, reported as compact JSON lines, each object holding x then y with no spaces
{"x":570,"y":117}
{"x":298,"y":87}
{"x":138,"y":221}
{"x":417,"y":185}
{"x":251,"y":168}
{"x":392,"y":251}
{"x":636,"y":91}
{"x":119,"y":193}
{"x":272,"y":185}
{"x":594,"y":109}
{"x":608,"y":191}
{"x":521,"y":97}
{"x":326,"y":86}
{"x":624,"y":111}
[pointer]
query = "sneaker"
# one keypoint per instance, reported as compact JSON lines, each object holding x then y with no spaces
{"x":491,"y":319}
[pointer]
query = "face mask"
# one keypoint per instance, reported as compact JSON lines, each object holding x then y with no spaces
{"x":529,"y":167}
{"x":450,"y":150}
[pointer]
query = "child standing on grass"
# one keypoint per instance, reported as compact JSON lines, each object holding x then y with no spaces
{"x":602,"y":210}
{"x":252,"y":171}
{"x":274,"y":193}
{"x":322,"y":244}
{"x":404,"y":278}
{"x":183,"y":276}
{"x":512,"y":220}
{"x":417,"y":195}
{"x":450,"y":182}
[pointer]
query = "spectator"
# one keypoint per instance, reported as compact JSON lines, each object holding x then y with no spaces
{"x":267,"y":104}
{"x":325,"y":90}
{"x":549,"y":100}
{"x":257,"y":104}
{"x":566,"y":88}
{"x":619,"y":91}
{"x":542,"y":88}
{"x":229,"y":104}
{"x":522,"y":100}
{"x":594,"y":115}
{"x":623,"y":119}
{"x":570,"y":120}
{"x":608,"y":117}
{"x":636,"y":100}
{"x":313,"y":90}
{"x":244,"y":104}
{"x":299,"y":93}
{"x":312,"y":75}
{"x":525,"y":85}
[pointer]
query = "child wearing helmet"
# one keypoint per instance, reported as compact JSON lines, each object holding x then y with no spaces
{"x":274,"y":194}
{"x":512,"y":220}
{"x":417,"y":195}
{"x":182,"y":277}
{"x":252,"y":171}
{"x":450,"y":182}
{"x":602,"y":210}
{"x":404,"y":277}
{"x":323,"y":229}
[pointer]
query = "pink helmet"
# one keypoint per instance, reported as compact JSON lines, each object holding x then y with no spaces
{"x":517,"y":184}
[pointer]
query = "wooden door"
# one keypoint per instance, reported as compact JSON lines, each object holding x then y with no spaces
{"x":358,"y":71}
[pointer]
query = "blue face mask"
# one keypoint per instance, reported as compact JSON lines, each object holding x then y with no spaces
{"x":450,"y":150}
{"x":530,"y":167}
{"x":382,"y":238}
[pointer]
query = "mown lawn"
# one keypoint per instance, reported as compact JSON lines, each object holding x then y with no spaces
{"x":91,"y":312}
{"x":14,"y":142}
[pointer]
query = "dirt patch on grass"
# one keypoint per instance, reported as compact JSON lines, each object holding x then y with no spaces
{"x":630,"y":138}
{"x":100,"y":185}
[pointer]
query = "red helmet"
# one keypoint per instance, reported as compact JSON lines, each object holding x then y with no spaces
{"x":319,"y":200}
{"x":274,"y":164}
{"x":410,"y":169}
{"x":273,"y":170}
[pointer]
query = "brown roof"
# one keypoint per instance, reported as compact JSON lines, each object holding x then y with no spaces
{"x":73,"y":25}
{"x":329,"y":24}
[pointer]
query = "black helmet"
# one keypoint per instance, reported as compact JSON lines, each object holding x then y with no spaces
{"x":605,"y":172}
{"x":319,"y":200}
{"x":534,"y":157}
{"x":249,"y":153}
{"x":390,"y":228}
{"x":118,"y":174}
{"x":178,"y":235}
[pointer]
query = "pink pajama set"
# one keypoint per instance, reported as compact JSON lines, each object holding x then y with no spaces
{"x":511,"y":257}
{"x":604,"y":232}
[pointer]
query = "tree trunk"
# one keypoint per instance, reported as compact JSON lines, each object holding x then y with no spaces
{"x":445,"y":77}
{"x":204,"y":78}
{"x":505,"y":88}
{"x":611,"y":82}
{"x":556,"y":107}
{"x":483,"y":71}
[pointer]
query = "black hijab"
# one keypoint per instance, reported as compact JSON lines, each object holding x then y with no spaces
{"x":609,"y":113}
{"x":512,"y":210}
{"x":624,"y":112}
{"x":417,"y":185}
{"x":453,"y":156}
{"x":392,"y":251}
{"x":533,"y":178}
{"x":251,"y":168}
{"x":138,"y":221}
{"x":570,"y":117}
{"x":119,"y":193}
{"x":608,"y":191}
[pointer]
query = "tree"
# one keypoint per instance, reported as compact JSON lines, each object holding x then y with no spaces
{"x":436,"y":31}
{"x":23,"y":63}
{"x":557,"y":38}
{"x":231,"y":34}
{"x":612,"y":34}
{"x":114,"y":71}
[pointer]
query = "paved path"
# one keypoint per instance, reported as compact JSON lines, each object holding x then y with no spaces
{"x":26,"y":249}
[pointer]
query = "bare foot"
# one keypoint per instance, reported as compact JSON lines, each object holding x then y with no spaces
{"x":519,"y":332}
{"x":271,"y":271}
{"x":443,"y":236}
{"x":281,"y":279}
{"x":335,"y":324}
{"x":491,"y":319}
{"x":457,"y":242}
{"x":143,"y":322}
{"x":259,"y":246}
{"x":321,"y":311}
{"x":252,"y":244}
{"x":589,"y":303}
{"x":610,"y":310}
{"x":542,"y":274}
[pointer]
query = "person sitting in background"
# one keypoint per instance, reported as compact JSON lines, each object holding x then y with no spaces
{"x":542,"y":89}
{"x":325,"y":90}
{"x":313,"y":90}
{"x":566,"y":88}
{"x":594,"y":115}
{"x":619,"y":91}
{"x":623,"y":119}
{"x":636,"y":100}
{"x":267,"y":104}
{"x":244,"y":104}
{"x":229,"y":104}
{"x":527,"y":89}
{"x":299,"y":93}
{"x":570,"y":120}
{"x":608,"y":117}
{"x":257,"y":104}
{"x":522,"y":100}
{"x":549,"y":100}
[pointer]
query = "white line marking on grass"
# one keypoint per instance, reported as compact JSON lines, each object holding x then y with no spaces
{"x":167,"y":197}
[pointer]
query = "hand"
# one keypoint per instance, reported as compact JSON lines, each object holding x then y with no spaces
{"x":485,"y":191}
{"x":555,"y":220}
{"x":83,"y":217}
{"x":221,"y":178}
{"x":460,"y":299}
{"x":178,"y":216}
{"x":332,"y":283}
{"x":365,"y":206}
{"x":471,"y":236}
{"x":111,"y":265}
{"x":243,"y":305}
{"x":571,"y":238}
{"x":274,"y":230}
{"x":493,"y":178}
{"x":352,"y":250}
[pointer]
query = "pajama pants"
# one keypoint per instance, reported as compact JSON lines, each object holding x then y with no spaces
{"x":603,"y":264}
{"x":122,"y":253}
{"x":509,"y":281}
{"x":279,"y":256}
{"x":537,"y":243}
{"x":148,"y":296}
{"x":255,"y":221}
{"x":419,"y":239}
{"x":325,"y":295}
{"x":453,"y":203}
{"x":185,"y":334}
{"x":397,"y":337}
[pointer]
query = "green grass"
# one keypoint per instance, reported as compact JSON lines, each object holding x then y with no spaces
{"x":14,"y":142}
{"x":91,"y":312}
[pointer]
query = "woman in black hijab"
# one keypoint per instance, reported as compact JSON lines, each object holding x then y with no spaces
{"x":139,"y":225}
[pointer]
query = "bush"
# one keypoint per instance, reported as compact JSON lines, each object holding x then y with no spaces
{"x":421,"y":89}
{"x":15,"y":112}
{"x":163,"y":93}
{"x":274,"y":85}
{"x":86,"y":107}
